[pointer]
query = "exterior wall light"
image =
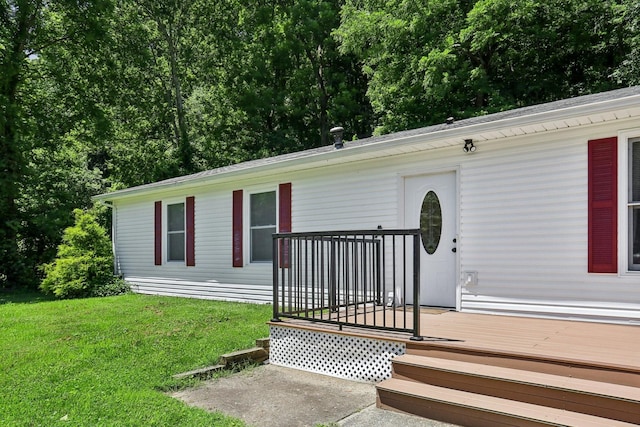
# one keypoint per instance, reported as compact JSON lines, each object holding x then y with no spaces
{"x":468,"y":146}
{"x":337,"y":133}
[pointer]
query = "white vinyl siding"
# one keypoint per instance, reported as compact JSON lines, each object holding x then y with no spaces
{"x":213,"y":279}
{"x":351,"y":197}
{"x":522,"y":225}
{"x":523,"y":229}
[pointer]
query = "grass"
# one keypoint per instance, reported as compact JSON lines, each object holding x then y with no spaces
{"x":107,"y":361}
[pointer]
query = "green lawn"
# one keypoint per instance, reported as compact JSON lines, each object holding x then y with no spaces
{"x":105,"y":361}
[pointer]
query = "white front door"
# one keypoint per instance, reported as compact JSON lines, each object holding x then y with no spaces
{"x":430,"y":205}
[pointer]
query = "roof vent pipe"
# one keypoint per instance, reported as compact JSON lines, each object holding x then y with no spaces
{"x":337,"y":133}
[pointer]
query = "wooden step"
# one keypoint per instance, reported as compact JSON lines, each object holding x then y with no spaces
{"x":475,"y":410}
{"x":596,"y":398}
{"x":255,"y":354}
{"x":588,"y":370}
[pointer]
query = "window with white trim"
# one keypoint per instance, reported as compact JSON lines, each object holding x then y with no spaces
{"x":633,"y":204}
{"x":175,"y":232}
{"x":262,"y":225}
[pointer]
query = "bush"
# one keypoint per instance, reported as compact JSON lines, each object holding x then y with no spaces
{"x":84,"y":263}
{"x":116,"y":287}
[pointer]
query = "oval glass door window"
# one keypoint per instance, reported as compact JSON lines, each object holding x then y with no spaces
{"x":430,"y":222}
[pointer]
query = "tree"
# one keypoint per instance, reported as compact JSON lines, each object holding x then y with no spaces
{"x":291,"y":83}
{"x":27,"y":29}
{"x":430,"y":60}
{"x":392,"y":40}
{"x":628,"y":71}
{"x":84,"y":263}
{"x":530,"y":52}
{"x":164,"y":68}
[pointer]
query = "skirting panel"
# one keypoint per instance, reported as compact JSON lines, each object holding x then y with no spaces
{"x":353,"y":358}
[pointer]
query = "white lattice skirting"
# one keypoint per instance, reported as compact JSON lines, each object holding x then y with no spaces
{"x":343,"y":356}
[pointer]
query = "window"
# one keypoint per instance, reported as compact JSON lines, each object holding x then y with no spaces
{"x":255,"y":217}
{"x":262,"y":225}
{"x":175,"y":232}
{"x":430,"y":222}
{"x":633,"y":204}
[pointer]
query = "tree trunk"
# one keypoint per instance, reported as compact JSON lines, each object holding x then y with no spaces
{"x":10,"y":170}
{"x":184,"y":145}
{"x":323,"y":115}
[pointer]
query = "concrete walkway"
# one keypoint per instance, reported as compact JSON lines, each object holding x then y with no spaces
{"x":274,"y":396}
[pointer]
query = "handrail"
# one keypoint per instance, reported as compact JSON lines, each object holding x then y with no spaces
{"x":360,"y":278}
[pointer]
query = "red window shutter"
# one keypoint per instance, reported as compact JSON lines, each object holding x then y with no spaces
{"x":158,"y":234}
{"x":191,"y":236}
{"x":237,"y":229}
{"x":284,"y":221}
{"x":603,"y":205}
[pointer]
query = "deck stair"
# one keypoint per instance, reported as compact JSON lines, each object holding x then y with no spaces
{"x":475,"y":388}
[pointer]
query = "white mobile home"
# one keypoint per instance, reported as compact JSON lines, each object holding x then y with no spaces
{"x":537,"y":212}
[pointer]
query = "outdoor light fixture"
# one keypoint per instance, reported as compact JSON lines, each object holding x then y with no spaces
{"x":337,"y":133}
{"x":468,"y":146}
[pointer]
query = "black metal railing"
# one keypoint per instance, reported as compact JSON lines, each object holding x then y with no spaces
{"x":349,"y":278}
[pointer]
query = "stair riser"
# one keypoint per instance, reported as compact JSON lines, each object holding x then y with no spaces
{"x":570,"y":400}
{"x":440,"y":411}
{"x":587,"y":372}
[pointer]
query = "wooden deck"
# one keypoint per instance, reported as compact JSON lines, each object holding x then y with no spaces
{"x":603,"y":344}
{"x":597,"y":343}
{"x":487,"y":370}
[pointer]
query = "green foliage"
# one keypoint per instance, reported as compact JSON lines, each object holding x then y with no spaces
{"x":430,"y":60}
{"x":104,"y":361}
{"x":84,"y":263}
{"x":294,"y":85}
{"x":628,"y":72}
{"x":28,"y":29}
{"x":392,"y":39}
{"x":114,"y":287}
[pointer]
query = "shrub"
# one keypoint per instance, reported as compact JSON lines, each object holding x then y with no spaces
{"x":84,"y":263}
{"x":116,"y":286}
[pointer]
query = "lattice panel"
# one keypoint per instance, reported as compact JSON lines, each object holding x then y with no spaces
{"x":342,"y":356}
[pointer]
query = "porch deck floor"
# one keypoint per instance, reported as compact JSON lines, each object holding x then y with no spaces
{"x":598,"y":343}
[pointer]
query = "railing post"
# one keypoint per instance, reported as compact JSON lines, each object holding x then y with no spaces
{"x":378,"y":267}
{"x":276,"y":265}
{"x":333,"y":289}
{"x":416,"y":288}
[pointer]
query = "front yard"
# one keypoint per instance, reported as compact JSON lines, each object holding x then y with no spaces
{"x":106,"y":361}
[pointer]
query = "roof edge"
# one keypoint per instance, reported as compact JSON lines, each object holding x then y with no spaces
{"x":398,"y":139}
